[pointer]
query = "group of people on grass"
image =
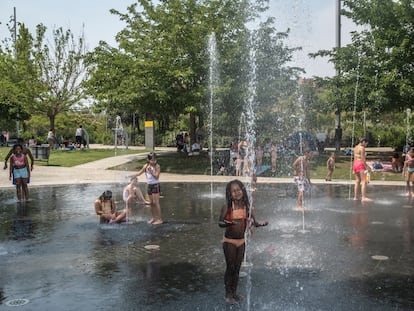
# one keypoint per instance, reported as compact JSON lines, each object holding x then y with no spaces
{"x":245,"y":160}
{"x":81,"y":139}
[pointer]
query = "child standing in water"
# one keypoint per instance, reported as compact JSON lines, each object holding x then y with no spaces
{"x":273,"y":157}
{"x":19,"y":172}
{"x":360,"y":169}
{"x":408,"y":171}
{"x":301,"y":172}
{"x":237,"y":164}
{"x":235,"y":217}
{"x":152,"y":171}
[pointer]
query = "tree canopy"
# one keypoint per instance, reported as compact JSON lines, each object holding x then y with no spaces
{"x":160,"y":68}
{"x":381,"y":57}
{"x":39,"y":77}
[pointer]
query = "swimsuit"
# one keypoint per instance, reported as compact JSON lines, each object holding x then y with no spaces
{"x":239,"y":214}
{"x":19,"y":168}
{"x":153,"y":183}
{"x":302,"y":183}
{"x":234,"y":250}
{"x":358,"y":166}
{"x":153,"y":189}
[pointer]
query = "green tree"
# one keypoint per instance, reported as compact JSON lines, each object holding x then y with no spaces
{"x":61,"y":71}
{"x":156,"y":70}
{"x":380,"y":57}
{"x":18,"y":76}
{"x":160,"y":69}
{"x":39,"y":77}
{"x":276,"y":82}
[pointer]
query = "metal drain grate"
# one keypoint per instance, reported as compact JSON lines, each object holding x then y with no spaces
{"x":17,"y":302}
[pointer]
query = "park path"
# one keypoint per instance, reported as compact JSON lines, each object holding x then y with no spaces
{"x":98,"y":172}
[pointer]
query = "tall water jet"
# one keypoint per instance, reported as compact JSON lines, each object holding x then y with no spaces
{"x":354,"y":121}
{"x":120,"y":134}
{"x":213,"y":81}
{"x":408,"y":136}
{"x":301,"y":141}
{"x":250,"y":137}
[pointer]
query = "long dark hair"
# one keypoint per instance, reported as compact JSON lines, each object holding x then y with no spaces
{"x":245,"y":199}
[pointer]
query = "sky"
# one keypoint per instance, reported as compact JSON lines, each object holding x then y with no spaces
{"x":311,"y":23}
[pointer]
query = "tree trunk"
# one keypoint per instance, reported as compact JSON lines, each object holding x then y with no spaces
{"x":52,"y":122}
{"x":200,"y":121}
{"x":192,"y":127}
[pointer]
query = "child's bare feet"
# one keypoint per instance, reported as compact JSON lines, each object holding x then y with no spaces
{"x":230,"y":300}
{"x":157,"y":222}
{"x":238,"y":297}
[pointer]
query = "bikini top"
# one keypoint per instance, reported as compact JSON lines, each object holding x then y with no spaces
{"x":240,"y":213}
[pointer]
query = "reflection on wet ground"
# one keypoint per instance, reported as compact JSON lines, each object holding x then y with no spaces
{"x":54,"y":254}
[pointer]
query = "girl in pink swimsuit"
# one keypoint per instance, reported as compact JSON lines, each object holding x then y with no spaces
{"x":19,"y":172}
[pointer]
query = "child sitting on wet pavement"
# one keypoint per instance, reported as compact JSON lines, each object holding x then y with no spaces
{"x":105,"y":208}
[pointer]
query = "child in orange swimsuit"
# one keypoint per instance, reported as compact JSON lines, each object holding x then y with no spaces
{"x":234,"y":217}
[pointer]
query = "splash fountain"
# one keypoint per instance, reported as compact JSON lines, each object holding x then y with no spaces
{"x":77,"y":264}
{"x":408,"y":137}
{"x":120,"y":134}
{"x":338,"y":264}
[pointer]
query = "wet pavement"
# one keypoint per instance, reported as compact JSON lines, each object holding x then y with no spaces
{"x":339,"y":254}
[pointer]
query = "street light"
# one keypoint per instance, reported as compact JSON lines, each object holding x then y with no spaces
{"x":338,"y":129}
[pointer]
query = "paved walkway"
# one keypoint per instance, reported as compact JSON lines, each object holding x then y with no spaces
{"x":99,"y":172}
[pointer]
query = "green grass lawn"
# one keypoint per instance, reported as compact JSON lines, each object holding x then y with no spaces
{"x":175,"y":162}
{"x":179,"y":163}
{"x":68,"y":158}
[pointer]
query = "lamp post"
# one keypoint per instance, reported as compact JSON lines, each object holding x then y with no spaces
{"x":15,"y":55}
{"x":338,"y":129}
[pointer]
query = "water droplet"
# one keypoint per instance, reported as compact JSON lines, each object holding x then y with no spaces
{"x":151,"y":246}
